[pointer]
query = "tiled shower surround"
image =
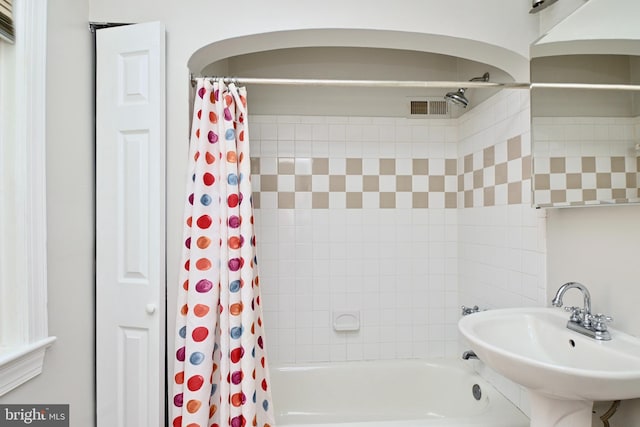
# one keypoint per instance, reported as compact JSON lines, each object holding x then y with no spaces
{"x":585,"y":160}
{"x":400,"y":219}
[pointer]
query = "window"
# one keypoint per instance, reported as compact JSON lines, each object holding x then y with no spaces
{"x":23,"y":306}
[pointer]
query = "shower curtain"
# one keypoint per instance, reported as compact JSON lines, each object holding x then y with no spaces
{"x":221,"y":372}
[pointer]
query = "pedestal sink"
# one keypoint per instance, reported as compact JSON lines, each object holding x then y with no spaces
{"x":563,"y":370}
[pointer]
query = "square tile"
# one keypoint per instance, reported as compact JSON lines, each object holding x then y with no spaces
{"x":603,"y":180}
{"x":514,"y":193}
{"x":436,"y":184}
{"x":421,"y":166}
{"x":286,"y":166}
{"x":478,"y":180}
{"x":468,"y":199}
{"x":286,"y":200}
{"x":354,"y":166}
{"x":337,"y":183}
{"x":436,"y":201}
{"x":618,"y":164}
{"x":558,"y":165}
{"x":337,"y":200}
{"x":468,"y":163}
{"x":574,"y":180}
{"x":558,"y":196}
{"x":269,"y":183}
{"x":526,"y":167}
{"x":320,"y":200}
{"x":501,"y":173}
{"x":619,"y":193}
{"x":303,"y":166}
{"x":514,"y":148}
{"x":489,"y":156}
{"x":450,"y":200}
{"x":319,"y":183}
{"x":588,"y":164}
{"x":286,"y":182}
{"x":353,"y":183}
{"x":451,"y":167}
{"x":387,"y":200}
{"x":255,"y":165}
{"x":320,"y":166}
{"x":370,"y":183}
{"x":303,"y":183}
{"x":420,"y":200}
{"x":354,"y":200}
{"x":387,"y":166}
{"x":404,"y":183}
{"x":489,"y":196}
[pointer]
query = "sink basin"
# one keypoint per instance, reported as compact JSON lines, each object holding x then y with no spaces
{"x":563,"y":370}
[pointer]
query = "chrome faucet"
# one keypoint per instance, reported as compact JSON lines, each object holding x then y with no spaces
{"x":581,"y":319}
{"x":586,"y":311}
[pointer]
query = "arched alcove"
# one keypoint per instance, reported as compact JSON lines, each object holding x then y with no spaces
{"x":356,"y":55}
{"x":515,"y":65}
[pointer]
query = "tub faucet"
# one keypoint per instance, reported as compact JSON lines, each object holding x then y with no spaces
{"x":581,"y":319}
{"x":469,"y":310}
{"x":469,"y":354}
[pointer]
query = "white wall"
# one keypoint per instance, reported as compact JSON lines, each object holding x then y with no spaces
{"x":480,"y":23}
{"x":68,"y":372}
{"x":68,"y":375}
{"x":586,"y":30}
{"x":599,"y":247}
{"x":482,"y":33}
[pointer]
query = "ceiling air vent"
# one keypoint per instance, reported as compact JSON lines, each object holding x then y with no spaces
{"x":428,"y":108}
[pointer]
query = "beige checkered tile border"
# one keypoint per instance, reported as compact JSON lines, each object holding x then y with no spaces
{"x":495,"y":176}
{"x":355,"y":183}
{"x":576,"y":181}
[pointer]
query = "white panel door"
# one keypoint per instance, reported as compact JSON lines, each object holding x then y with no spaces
{"x":130,"y":225}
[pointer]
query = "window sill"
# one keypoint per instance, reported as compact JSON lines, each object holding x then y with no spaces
{"x":19,"y":364}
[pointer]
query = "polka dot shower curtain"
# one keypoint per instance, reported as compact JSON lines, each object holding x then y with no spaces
{"x":221,"y":372}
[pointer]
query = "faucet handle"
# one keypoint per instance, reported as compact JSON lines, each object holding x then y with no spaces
{"x":469,"y":310}
{"x":576,"y":312}
{"x":600,"y":321}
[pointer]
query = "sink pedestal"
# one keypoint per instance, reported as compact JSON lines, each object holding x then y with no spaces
{"x":554,"y":412}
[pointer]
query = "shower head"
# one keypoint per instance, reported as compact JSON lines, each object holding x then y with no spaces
{"x":538,"y":5}
{"x":458,"y":97}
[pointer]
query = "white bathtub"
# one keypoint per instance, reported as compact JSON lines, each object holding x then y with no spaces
{"x":395,"y":393}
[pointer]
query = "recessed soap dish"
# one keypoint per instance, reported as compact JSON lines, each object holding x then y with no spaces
{"x":344,"y":321}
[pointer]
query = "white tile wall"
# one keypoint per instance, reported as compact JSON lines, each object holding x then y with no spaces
{"x":398,"y":267}
{"x":584,"y":136}
{"x":406,"y":270}
{"x":501,"y":249}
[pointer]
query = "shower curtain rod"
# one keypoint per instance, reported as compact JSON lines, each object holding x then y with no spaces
{"x":419,"y":84}
{"x":590,"y":86}
{"x":366,"y":83}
